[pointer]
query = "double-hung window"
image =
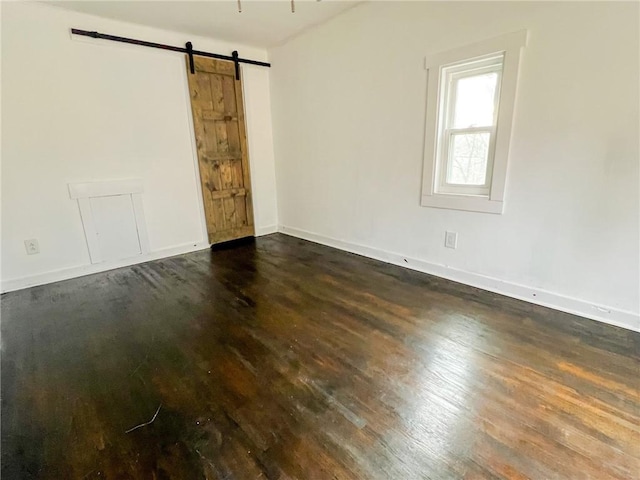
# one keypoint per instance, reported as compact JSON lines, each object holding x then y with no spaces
{"x":471,"y":95}
{"x":467,"y":125}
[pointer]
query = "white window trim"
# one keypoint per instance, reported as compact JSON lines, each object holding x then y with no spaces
{"x":511,"y":45}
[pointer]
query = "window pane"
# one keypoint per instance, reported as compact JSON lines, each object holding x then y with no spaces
{"x":475,"y":101}
{"x":468,"y":153}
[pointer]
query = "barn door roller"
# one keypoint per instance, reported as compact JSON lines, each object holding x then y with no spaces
{"x":188,"y":49}
{"x":192,"y":67}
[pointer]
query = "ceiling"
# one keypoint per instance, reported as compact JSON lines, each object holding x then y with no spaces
{"x":262,"y":23}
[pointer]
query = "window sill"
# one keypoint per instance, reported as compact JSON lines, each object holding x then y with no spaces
{"x":469,"y":203}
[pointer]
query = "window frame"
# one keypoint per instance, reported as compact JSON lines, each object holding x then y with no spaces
{"x":446,"y":130}
{"x":435,"y":191}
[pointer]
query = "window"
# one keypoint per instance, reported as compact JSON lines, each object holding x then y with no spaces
{"x":470,"y":98}
{"x":467,"y":126}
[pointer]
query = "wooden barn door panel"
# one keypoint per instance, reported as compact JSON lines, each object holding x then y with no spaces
{"x":218,"y":118}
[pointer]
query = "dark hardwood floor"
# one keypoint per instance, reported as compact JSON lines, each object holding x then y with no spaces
{"x":283,"y":359}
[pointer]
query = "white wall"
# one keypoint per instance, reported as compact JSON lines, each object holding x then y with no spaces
{"x":88,"y":110}
{"x":349,"y":111}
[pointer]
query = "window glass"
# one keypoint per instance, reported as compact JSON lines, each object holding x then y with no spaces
{"x":468,"y":155}
{"x":474,"y":100}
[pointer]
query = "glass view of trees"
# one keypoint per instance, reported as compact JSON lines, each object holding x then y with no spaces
{"x":473,"y":110}
{"x":468,"y":158}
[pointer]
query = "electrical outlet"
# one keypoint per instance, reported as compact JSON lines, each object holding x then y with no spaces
{"x":451,"y":240}
{"x":32,"y":246}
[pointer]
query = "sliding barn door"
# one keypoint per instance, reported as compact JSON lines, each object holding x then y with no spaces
{"x":218,"y":118}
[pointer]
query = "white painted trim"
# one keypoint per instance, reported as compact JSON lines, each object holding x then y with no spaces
{"x":513,"y":40}
{"x":105,"y":188}
{"x":469,"y":203}
{"x":83,"y":192}
{"x":511,"y":45}
{"x":537,"y":296}
{"x":141,"y":224}
{"x":90,"y":231}
{"x":266,"y":230}
{"x":249,"y":155}
{"x":89,"y":269}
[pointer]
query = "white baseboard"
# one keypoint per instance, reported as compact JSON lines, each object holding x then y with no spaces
{"x":260,"y":231}
{"x":81,"y":270}
{"x":583,"y":308}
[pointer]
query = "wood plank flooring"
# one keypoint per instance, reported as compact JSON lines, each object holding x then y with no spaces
{"x":283,"y":359}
